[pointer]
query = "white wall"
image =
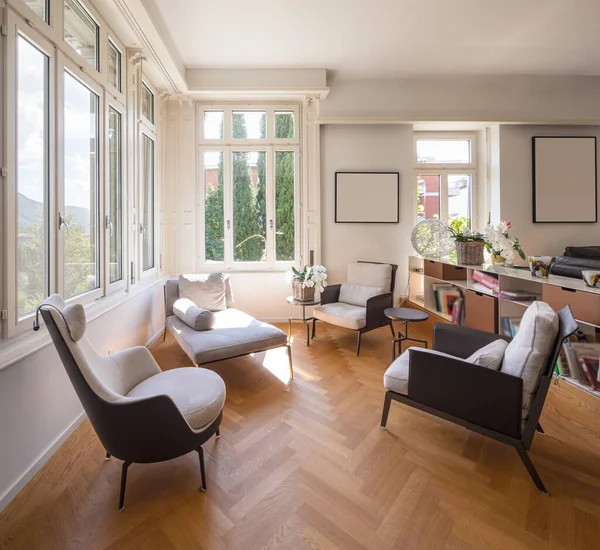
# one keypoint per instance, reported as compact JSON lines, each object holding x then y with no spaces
{"x":516,"y":191}
{"x":370,"y":148}
{"x":38,"y":405}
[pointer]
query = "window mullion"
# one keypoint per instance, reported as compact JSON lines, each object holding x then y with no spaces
{"x":271,"y":222}
{"x":228,"y":203}
{"x":444,"y":195}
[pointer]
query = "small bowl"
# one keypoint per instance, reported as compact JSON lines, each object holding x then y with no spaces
{"x":591,"y":277}
{"x":540,"y":266}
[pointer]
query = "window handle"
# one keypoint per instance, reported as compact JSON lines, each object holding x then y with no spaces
{"x":109,"y":225}
{"x":228,"y":224}
{"x":142,"y":228}
{"x":62,"y":222}
{"x":271,"y":224}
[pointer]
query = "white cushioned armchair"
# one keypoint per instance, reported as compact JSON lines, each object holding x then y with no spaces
{"x":360,"y":302}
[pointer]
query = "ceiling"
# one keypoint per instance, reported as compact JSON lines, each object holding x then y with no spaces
{"x":388,"y":38}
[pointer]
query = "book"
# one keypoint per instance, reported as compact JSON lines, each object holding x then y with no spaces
{"x":437,"y":288}
{"x":510,"y":325}
{"x":574,"y":365}
{"x":488,"y":280}
{"x":588,"y":357}
{"x":481,"y":288}
{"x":517,"y":295}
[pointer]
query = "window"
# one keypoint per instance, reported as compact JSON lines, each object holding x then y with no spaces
{"x":446,"y":174}
{"x":114,"y":218}
{"x":147,"y":203}
{"x":147,"y":103}
{"x":80,"y":216}
{"x":249,"y":190}
{"x":81,"y":32}
{"x":39,"y":7}
{"x":114,"y":66}
{"x":32,"y":176}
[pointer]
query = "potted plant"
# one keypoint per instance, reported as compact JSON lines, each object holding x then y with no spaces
{"x":305,"y":282}
{"x":469,"y":244}
{"x":502,"y":247}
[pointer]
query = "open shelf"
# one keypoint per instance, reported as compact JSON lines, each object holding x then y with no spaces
{"x":578,"y":384}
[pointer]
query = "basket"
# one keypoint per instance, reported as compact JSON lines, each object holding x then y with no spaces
{"x":469,"y":252}
{"x":302,"y":293}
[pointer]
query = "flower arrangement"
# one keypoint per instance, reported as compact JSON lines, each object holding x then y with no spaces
{"x":461,"y":232}
{"x":308,"y":280}
{"x":469,"y":243}
{"x":499,"y":244}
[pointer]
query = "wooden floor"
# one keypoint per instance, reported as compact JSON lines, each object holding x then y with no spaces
{"x":305,"y":465}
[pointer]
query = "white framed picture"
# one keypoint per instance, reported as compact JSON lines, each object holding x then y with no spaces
{"x":367,"y":197}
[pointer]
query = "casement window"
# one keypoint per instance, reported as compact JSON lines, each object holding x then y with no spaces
{"x":445,"y":166}
{"x":41,"y":8}
{"x":115,"y":70}
{"x":82,"y":32}
{"x":249,"y":187}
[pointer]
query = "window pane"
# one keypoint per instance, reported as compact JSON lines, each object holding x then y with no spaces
{"x":285,"y":176}
{"x":459,"y":197}
{"x":81,"y":32}
{"x":147,"y":197}
{"x":32,"y":176}
{"x":147,"y":103}
{"x":115,"y":196}
{"x":214,"y":213}
{"x":446,"y":151}
{"x":39,"y":7}
{"x":249,"y":206}
{"x":249,"y":124}
{"x":213,"y":124}
{"x":428,"y":196}
{"x":114,"y":66}
{"x":81,"y":257}
{"x":284,"y":124}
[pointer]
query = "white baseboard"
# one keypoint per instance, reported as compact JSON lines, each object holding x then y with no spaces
{"x":155,"y":338}
{"x":11,"y":493}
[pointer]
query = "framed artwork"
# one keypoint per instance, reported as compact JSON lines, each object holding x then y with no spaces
{"x":564,"y":179}
{"x":367,"y":197}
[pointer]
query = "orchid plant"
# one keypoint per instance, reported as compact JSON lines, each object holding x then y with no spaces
{"x":311,"y":276}
{"x":462,"y":233}
{"x":498,"y":242}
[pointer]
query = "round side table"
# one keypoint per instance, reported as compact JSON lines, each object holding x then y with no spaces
{"x":408,"y":316}
{"x":306,"y":320}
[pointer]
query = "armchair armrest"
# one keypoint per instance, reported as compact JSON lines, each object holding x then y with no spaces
{"x":491,"y":399}
{"x":376,"y":307}
{"x":461,"y":341}
{"x":330,"y":294}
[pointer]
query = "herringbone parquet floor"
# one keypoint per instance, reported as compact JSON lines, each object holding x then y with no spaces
{"x":306,"y":465}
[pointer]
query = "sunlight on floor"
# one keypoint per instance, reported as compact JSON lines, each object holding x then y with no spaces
{"x":276,"y":362}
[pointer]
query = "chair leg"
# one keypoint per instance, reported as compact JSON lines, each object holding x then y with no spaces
{"x":531,"y":469}
{"x":392,"y":329}
{"x":386,"y":410}
{"x":540,"y":430}
{"x":107,"y":457}
{"x":218,"y":434}
{"x":314,"y":330}
{"x":358,"y":343}
{"x":123,"y":484}
{"x":289,"y":354}
{"x":202,"y":472}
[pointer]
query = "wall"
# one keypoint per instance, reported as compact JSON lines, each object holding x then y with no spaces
{"x":38,"y":406}
{"x":368,"y":148}
{"x":515,"y":152}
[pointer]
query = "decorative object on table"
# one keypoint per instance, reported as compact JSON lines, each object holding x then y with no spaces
{"x":501,"y":247}
{"x":575,"y":260}
{"x":432,"y":238}
{"x":305,"y":282}
{"x":469,"y":244}
{"x":591,"y":277}
{"x":564,"y":179}
{"x":367,"y":197}
{"x":540,"y":266}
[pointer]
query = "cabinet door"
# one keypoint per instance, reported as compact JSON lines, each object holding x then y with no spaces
{"x":481,"y":311}
{"x":584,"y":305}
{"x":433,"y":268}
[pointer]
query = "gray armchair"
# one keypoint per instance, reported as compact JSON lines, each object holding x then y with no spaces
{"x":359,"y":304}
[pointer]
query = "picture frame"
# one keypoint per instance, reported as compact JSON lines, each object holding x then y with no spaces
{"x":367,"y":197}
{"x":564,"y":179}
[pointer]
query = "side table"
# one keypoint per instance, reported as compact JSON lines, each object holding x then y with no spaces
{"x":306,"y":320}
{"x":407,"y":315}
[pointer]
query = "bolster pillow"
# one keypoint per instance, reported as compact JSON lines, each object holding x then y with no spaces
{"x":192,"y":315}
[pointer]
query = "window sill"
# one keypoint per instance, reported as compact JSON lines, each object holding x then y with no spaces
{"x":27,"y":343}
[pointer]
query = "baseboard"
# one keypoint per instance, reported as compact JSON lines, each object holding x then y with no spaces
{"x":11,"y":493}
{"x":155,"y":338}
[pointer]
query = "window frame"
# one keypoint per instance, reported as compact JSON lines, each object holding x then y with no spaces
{"x":93,"y":14}
{"x":119,"y":95}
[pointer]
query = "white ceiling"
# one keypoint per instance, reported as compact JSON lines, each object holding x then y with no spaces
{"x":388,"y":38}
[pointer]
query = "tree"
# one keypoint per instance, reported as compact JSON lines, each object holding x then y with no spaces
{"x":284,"y":191}
{"x":214,"y":219}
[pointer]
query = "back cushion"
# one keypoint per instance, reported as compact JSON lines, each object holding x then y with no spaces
{"x":357,"y":295}
{"x":228,"y":292}
{"x":206,"y":291}
{"x":378,"y":275}
{"x":527,"y":353}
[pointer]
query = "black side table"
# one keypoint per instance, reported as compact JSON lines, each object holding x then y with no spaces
{"x":306,"y":320}
{"x":407,"y":315}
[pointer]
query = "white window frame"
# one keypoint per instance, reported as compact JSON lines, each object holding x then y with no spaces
{"x":117,"y":95}
{"x":101,"y":39}
{"x":228,"y":145}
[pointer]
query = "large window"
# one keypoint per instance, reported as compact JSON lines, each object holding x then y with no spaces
{"x":114,"y":219}
{"x":147,"y":203}
{"x":81,"y":32}
{"x":249,"y":176}
{"x":114,"y":65}
{"x":445,"y":167}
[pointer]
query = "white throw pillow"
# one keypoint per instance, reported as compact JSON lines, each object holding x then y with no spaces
{"x":489,"y":356}
{"x":357,"y":295}
{"x":228,"y":292}
{"x":206,"y":291}
{"x":192,"y":315}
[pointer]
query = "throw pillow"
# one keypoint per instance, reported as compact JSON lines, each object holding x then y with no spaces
{"x":206,"y":291}
{"x":357,"y":295}
{"x":489,"y":356}
{"x":228,"y":292}
{"x":192,"y":315}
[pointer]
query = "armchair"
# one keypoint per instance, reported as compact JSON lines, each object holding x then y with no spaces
{"x":359,"y":304}
{"x":504,"y":404}
{"x":140,"y":413}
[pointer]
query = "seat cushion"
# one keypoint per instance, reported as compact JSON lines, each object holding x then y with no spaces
{"x":396,"y":376}
{"x":234,"y":333}
{"x":370,"y":275}
{"x":199,"y":394}
{"x":528,"y":352}
{"x":342,"y":315}
{"x":489,"y":356}
{"x":206,"y":291}
{"x":357,"y":295}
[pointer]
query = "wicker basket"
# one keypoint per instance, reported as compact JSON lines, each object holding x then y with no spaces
{"x":302,"y":293}
{"x":469,"y":252}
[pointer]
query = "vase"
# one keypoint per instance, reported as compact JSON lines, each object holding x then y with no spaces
{"x":302,"y":293}
{"x":469,"y":252}
{"x":540,"y":266}
{"x":498,"y":259}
